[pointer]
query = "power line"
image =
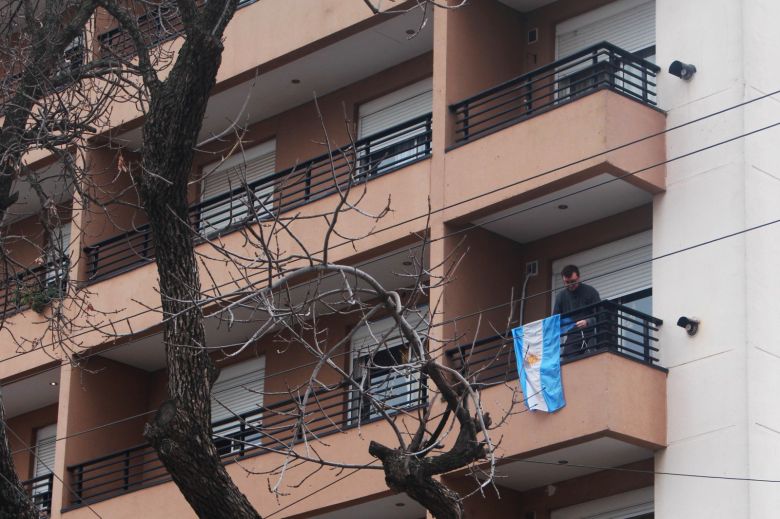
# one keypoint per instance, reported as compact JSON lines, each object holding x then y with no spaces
{"x":643,"y":471}
{"x":473,"y":226}
{"x":464,"y":316}
{"x":50,"y":469}
{"x":455,"y":319}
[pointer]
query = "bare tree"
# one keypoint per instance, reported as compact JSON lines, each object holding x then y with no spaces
{"x":49,"y":100}
{"x":449,"y":432}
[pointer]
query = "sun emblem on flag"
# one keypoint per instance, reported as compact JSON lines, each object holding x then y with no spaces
{"x":531,"y":359}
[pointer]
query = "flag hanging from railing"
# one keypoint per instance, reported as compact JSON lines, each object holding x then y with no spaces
{"x":538,"y":353}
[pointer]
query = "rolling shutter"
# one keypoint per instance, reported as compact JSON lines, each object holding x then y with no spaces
{"x":392,"y":109}
{"x":629,"y":24}
{"x":364,"y":340}
{"x":239,"y":388}
{"x":254,"y":164}
{"x":607,"y":268}
{"x":45,"y":443}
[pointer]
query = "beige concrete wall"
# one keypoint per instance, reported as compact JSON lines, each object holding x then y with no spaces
{"x":101,"y":392}
{"x":489,"y":273}
{"x":517,"y":156}
{"x":606,"y":395}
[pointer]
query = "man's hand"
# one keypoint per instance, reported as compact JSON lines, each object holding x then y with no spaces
{"x":581,"y":324}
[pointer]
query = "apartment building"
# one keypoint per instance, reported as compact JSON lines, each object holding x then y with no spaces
{"x":542,"y":133}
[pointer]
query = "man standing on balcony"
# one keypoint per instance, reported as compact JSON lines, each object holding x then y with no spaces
{"x":577,"y":300}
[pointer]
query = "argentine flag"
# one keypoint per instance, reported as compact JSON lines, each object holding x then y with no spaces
{"x":538,"y":353}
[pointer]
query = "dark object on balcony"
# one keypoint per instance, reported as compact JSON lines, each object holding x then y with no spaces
{"x":691,"y":324}
{"x":682,"y":70}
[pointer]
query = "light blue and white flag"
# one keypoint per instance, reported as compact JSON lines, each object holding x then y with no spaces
{"x":538,"y":353}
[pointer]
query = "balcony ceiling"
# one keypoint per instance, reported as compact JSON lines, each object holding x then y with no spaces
{"x":542,"y":216}
{"x":148,"y":353}
{"x":53,"y":184}
{"x":526,"y":5}
{"x":31,"y":393}
{"x":321,"y":72}
{"x":398,"y":506}
{"x":591,"y":456}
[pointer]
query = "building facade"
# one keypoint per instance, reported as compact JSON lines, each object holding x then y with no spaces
{"x":534,"y":134}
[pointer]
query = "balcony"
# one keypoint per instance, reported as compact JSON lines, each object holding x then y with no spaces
{"x":160,"y":24}
{"x":40,"y":490}
{"x":34,"y":288}
{"x":314,"y":179}
{"x":598,"y":67}
{"x":272,"y":428}
{"x":618,"y":329}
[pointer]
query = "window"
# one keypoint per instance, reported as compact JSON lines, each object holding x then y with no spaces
{"x":45,"y":444}
{"x":393,"y":150}
{"x":238,"y":391}
{"x":225,"y":201}
{"x":56,"y":258}
{"x":622,"y":272}
{"x":628,"y":24}
{"x":378,"y":353}
{"x":637,"y":504}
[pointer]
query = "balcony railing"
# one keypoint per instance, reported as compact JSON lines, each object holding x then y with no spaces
{"x":316,"y":178}
{"x":40,"y":490}
{"x":617,"y":329}
{"x":161,"y":23}
{"x":600,"y":66}
{"x":269,"y":428}
{"x":34,"y":288}
{"x":73,"y":60}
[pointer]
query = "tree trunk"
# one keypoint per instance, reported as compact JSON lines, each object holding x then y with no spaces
{"x":181,"y":431}
{"x":408,"y":474}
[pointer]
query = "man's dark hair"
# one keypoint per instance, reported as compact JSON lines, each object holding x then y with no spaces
{"x":568,"y":270}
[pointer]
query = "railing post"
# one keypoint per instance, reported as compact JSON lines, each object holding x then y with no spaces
{"x":126,"y":471}
{"x":465,"y":122}
{"x":79,"y":483}
{"x":147,"y":244}
{"x":646,"y":340}
{"x":428,"y":134}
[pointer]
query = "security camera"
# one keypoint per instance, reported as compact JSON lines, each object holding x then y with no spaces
{"x":682,"y":70}
{"x":691,"y":324}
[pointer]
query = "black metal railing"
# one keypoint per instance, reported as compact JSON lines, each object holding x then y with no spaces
{"x":161,"y":23}
{"x":316,"y":178}
{"x":266,"y":429}
{"x":596,"y":67}
{"x":39,"y":489}
{"x":72,"y":60}
{"x":615,"y":328}
{"x":35,"y":287}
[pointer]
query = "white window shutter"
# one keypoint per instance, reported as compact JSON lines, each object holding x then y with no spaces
{"x":402,"y":105}
{"x":628,"y":24}
{"x":239,"y":389}
{"x":45,"y":444}
{"x":608,"y":268}
{"x":254,"y":164}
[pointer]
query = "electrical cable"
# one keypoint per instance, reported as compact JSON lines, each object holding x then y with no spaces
{"x":473,"y":226}
{"x":473,"y":314}
{"x":50,"y":469}
{"x":538,"y":293}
